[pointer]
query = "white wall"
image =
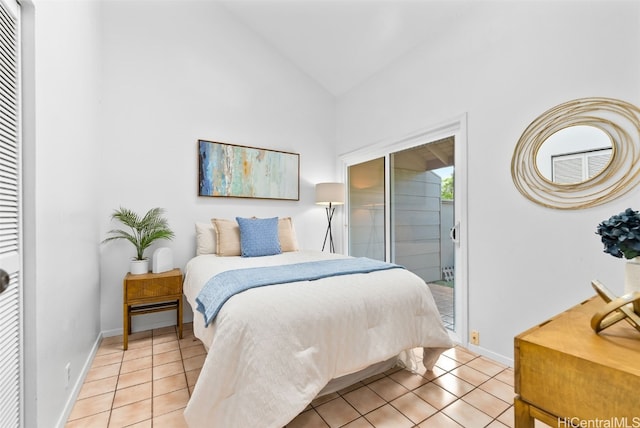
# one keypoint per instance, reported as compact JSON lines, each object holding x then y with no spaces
{"x":175,"y":72}
{"x":504,"y":67}
{"x":61,"y":194}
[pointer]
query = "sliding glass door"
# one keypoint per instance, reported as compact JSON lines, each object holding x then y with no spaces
{"x":422,"y":216}
{"x":401,"y":209}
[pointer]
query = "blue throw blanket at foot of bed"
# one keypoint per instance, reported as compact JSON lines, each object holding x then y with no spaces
{"x":223,"y":286}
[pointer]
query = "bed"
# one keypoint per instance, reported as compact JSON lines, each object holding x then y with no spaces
{"x":272,"y":349}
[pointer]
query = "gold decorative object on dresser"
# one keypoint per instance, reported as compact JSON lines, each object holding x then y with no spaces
{"x":625,"y":307}
{"x":567,"y":375}
{"x":148,"y":293}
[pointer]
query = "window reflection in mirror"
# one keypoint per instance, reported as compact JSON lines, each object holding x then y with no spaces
{"x":574,"y":154}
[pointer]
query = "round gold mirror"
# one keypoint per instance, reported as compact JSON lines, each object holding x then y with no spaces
{"x":579,"y":154}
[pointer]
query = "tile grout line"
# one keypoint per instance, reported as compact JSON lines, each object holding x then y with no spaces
{"x":153,"y":366}
{"x":115,"y":390}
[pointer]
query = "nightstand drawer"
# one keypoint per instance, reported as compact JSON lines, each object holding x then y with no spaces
{"x":155,"y":287}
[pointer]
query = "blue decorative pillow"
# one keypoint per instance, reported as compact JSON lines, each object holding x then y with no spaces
{"x":259,"y":236}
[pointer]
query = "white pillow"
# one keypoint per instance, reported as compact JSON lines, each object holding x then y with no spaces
{"x":205,"y":239}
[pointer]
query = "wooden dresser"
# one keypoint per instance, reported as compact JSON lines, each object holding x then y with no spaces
{"x":567,"y":374}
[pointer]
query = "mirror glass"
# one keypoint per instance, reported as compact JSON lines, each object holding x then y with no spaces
{"x":574,"y":154}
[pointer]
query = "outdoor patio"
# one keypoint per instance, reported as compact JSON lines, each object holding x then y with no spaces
{"x":443,"y":295}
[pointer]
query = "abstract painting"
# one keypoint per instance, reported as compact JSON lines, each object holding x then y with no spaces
{"x":247,"y":172}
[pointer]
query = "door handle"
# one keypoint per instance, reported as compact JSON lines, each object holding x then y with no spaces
{"x":4,"y":280}
{"x":453,"y":233}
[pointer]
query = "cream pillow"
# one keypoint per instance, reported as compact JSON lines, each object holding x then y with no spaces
{"x":287,"y":235}
{"x":205,"y":239}
{"x":227,"y":234}
{"x":227,"y":237}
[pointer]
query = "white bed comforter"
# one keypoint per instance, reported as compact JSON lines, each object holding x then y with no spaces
{"x":273,"y":348}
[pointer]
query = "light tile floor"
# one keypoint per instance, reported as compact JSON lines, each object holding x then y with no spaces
{"x":444,"y":297}
{"x":149,"y":386}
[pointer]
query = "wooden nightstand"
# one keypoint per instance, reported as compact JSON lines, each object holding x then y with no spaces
{"x":151,"y":292}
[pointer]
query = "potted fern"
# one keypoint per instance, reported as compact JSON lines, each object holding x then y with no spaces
{"x":143,"y":231}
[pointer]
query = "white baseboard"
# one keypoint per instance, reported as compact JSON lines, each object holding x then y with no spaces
{"x":490,"y":354}
{"x":150,"y":326}
{"x":150,"y":322}
{"x":114,"y":332}
{"x":77,"y":386}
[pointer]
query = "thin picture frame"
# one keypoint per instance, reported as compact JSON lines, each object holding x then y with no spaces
{"x":236,"y":171}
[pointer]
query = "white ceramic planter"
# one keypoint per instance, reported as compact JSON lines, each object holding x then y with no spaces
{"x":138,"y":267}
{"x":632,"y":281}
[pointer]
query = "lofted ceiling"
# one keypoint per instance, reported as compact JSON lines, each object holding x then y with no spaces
{"x":341,"y":43}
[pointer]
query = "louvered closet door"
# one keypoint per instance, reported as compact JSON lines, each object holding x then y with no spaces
{"x":10,"y":259}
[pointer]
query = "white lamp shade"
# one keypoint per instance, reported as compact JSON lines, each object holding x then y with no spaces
{"x":330,"y":193}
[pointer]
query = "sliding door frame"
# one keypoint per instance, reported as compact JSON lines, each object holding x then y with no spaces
{"x":456,"y":127}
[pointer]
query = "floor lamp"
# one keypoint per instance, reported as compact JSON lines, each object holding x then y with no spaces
{"x":329,"y":194}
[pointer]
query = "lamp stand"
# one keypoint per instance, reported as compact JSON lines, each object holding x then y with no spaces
{"x":330,"y":210}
